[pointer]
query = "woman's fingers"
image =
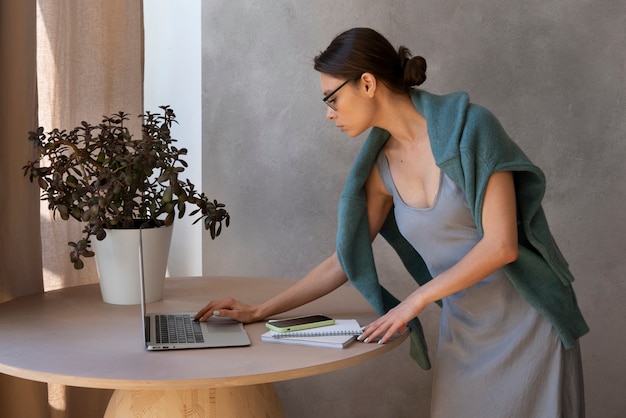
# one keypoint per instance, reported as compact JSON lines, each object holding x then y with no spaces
{"x":383,"y":329}
{"x":221,"y":307}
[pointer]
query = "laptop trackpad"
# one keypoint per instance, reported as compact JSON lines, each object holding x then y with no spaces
{"x":224,"y":332}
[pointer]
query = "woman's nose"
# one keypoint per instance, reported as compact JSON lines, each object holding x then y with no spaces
{"x":330,"y":113}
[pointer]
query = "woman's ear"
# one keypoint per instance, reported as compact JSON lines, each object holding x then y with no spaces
{"x":368,"y":82}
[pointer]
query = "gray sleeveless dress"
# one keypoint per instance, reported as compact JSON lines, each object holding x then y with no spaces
{"x":497,"y":356}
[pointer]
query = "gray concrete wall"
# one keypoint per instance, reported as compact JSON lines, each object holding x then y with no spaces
{"x":552,"y":71}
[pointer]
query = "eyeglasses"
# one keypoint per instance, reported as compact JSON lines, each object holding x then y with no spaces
{"x":331,"y":103}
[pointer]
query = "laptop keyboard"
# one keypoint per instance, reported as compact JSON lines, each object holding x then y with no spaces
{"x":178,"y":329}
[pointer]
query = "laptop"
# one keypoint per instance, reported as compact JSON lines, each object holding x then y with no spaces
{"x":178,"y":330}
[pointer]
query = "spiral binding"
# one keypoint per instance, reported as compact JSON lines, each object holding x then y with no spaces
{"x":312,"y":333}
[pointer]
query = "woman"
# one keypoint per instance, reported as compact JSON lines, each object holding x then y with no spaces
{"x":441,"y":181}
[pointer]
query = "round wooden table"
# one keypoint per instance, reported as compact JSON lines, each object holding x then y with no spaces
{"x":72,"y":337}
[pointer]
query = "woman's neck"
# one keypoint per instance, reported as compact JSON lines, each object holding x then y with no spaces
{"x":402,"y":120}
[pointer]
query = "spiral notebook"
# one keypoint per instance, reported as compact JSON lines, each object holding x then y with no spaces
{"x":339,"y":335}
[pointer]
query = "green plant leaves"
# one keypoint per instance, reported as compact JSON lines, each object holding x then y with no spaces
{"x":103,"y":176}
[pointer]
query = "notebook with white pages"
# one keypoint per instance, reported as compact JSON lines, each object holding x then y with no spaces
{"x":339,"y":335}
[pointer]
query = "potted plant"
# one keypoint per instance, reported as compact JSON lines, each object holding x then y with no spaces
{"x":104,"y":177}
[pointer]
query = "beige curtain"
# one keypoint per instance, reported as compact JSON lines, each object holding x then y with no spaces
{"x":20,"y":266}
{"x":20,"y":263}
{"x":85,"y":58}
{"x":89,"y":64}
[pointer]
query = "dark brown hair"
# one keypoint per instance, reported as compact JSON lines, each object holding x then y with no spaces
{"x":363,"y":50}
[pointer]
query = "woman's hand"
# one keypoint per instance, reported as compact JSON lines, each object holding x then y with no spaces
{"x":393,"y":322}
{"x":230,"y":308}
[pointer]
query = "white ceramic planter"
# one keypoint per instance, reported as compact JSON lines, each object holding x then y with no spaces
{"x":117,"y":261}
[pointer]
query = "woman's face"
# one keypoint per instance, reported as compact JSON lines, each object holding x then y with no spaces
{"x":347,"y":107}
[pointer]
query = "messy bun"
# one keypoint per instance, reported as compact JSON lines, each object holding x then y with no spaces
{"x":363,"y":50}
{"x":413,"y":68}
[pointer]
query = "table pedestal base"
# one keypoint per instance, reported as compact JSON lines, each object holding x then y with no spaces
{"x":228,"y":402}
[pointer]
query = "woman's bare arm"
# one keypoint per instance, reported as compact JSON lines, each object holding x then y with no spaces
{"x":322,"y":280}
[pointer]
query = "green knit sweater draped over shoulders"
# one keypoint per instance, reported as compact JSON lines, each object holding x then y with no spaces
{"x":469,"y":145}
